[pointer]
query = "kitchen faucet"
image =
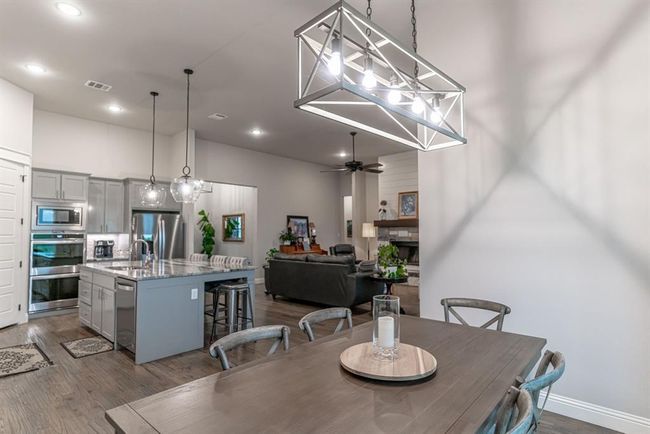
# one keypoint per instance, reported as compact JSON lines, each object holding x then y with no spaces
{"x":148,"y":258}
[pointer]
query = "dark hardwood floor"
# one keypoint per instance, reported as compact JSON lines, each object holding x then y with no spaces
{"x":72,"y":395}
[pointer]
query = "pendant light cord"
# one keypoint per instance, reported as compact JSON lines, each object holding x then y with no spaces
{"x":152,"y":178}
{"x":186,"y":168}
{"x":414,"y":33}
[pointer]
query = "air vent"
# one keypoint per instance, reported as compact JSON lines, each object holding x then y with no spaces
{"x":97,"y":85}
{"x":217,"y":116}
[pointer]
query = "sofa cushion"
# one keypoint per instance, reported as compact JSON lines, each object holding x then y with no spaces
{"x":367,"y":266}
{"x":324,"y":259}
{"x":287,"y":257}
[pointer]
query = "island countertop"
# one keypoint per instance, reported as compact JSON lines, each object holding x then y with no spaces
{"x":161,"y":269}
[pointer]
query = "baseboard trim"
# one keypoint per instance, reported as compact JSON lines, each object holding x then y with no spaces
{"x":596,"y":414}
{"x":259,"y":280}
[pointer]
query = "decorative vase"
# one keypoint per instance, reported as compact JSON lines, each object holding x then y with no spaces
{"x":385,"y":332}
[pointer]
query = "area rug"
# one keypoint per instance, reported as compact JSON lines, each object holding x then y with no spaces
{"x":19,"y":359}
{"x":87,"y":346}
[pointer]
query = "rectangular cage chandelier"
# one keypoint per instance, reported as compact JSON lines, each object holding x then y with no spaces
{"x":404,"y":98}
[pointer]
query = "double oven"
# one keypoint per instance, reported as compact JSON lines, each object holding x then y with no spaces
{"x":57,"y":249}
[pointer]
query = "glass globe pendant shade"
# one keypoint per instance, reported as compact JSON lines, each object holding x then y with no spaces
{"x":186,"y":189}
{"x":152,"y":195}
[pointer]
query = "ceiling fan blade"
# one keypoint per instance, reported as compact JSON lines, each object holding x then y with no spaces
{"x":343,"y":169}
{"x":372,"y":165}
{"x":373,"y":171}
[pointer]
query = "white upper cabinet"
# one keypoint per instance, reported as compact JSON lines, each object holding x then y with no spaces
{"x":74,"y":187}
{"x":55,"y":185}
{"x":96,"y":201}
{"x":45,"y":185}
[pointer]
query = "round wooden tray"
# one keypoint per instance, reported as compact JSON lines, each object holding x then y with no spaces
{"x":413,"y":363}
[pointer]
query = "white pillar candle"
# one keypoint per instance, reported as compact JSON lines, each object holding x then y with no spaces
{"x":386,"y":331}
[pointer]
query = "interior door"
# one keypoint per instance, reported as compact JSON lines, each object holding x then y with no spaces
{"x":13,"y":278}
{"x":96,"y":202}
{"x":74,"y":187}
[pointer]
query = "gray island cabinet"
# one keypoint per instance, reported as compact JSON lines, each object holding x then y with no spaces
{"x":155,"y":311}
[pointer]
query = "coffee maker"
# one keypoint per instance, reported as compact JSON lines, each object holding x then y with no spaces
{"x":104,"y":249}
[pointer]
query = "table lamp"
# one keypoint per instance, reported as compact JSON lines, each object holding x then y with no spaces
{"x":367,"y":232}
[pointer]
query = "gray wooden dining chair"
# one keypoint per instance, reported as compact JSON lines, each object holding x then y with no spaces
{"x":198,"y":257}
{"x":279,"y":333}
{"x":343,"y":314}
{"x":543,"y":379}
{"x":515,"y":416}
{"x":450,"y":303}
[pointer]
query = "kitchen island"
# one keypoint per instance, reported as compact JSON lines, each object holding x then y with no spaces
{"x":154,"y":311}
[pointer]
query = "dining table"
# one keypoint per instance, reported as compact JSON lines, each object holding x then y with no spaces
{"x":305,"y":390}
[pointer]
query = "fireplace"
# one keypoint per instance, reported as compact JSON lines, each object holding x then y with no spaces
{"x":408,"y":250}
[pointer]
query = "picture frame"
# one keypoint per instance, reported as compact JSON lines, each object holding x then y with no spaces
{"x":233,"y":227}
{"x":407,"y":205}
{"x":299,"y":225}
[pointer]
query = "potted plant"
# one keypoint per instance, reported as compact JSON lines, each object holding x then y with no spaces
{"x":390,"y":264}
{"x":269,"y":255}
{"x":287,"y":238}
{"x":207,"y":231}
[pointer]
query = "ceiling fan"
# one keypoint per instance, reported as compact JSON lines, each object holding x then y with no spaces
{"x":354,"y":165}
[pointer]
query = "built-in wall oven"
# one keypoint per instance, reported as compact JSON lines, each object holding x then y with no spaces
{"x":58,"y":216}
{"x":54,"y":270}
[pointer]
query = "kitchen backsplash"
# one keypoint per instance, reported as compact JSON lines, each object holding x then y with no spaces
{"x":120,"y":249}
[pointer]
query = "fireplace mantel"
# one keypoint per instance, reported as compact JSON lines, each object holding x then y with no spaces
{"x":401,"y":223}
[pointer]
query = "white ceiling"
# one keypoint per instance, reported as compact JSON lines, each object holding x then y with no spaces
{"x":243,"y":53}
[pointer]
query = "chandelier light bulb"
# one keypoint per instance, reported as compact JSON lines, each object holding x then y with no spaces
{"x":394,"y":94}
{"x":369,"y":80}
{"x":417,"y":106}
{"x":334,"y":64}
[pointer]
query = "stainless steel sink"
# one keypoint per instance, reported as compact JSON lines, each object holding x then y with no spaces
{"x":127,"y":268}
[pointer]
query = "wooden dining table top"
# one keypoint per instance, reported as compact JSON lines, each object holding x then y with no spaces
{"x":305,"y":390}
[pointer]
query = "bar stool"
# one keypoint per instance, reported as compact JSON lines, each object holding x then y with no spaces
{"x":238,"y":307}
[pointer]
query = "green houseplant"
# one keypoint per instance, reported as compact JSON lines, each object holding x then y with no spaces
{"x":208,"y":232}
{"x":270,"y":254}
{"x":390,"y":264}
{"x":287,"y":237}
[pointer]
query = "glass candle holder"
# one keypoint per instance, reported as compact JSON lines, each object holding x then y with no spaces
{"x":385,"y":335}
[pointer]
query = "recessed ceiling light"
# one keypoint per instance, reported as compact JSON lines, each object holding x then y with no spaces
{"x":35,"y":68}
{"x":256,"y":132}
{"x":114,"y":108}
{"x":68,"y":9}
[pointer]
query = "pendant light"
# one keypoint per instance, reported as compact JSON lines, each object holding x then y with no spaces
{"x":153,"y":195}
{"x":186,"y":189}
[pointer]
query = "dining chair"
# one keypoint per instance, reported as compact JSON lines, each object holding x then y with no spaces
{"x":279,"y":333}
{"x":198,"y":257}
{"x":218,"y":260}
{"x":307,"y":322}
{"x":543,"y":380}
{"x":450,"y":303}
{"x":236,"y":261}
{"x":515,"y":416}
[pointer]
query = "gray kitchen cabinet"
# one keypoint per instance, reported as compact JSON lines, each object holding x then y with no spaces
{"x":74,"y":187}
{"x":96,"y":309}
{"x":96,"y":206}
{"x":47,"y":184}
{"x":114,"y":215}
{"x":105,"y":206}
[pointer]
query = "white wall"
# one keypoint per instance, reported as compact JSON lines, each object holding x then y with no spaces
{"x":228,"y":199}
{"x":563,"y":238}
{"x":16,"y":110}
{"x":285,"y":187}
{"x":68,"y":143}
{"x":400,"y":175}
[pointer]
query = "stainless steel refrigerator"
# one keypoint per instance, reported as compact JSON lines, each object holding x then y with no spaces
{"x":162,"y":231}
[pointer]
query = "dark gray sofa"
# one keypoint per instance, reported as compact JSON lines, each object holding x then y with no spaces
{"x":328,"y":280}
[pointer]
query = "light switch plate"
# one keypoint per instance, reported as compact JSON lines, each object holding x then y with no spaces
{"x":195,"y":293}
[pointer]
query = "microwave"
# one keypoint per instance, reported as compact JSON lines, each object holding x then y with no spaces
{"x":58,"y":217}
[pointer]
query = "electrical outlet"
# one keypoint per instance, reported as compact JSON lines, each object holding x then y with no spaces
{"x":195,"y":293}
